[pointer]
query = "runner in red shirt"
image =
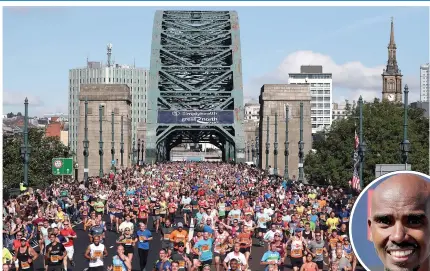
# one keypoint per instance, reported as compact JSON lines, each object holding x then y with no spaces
{"x":70,"y":234}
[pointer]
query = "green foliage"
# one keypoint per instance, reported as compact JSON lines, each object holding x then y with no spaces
{"x":43,"y":150}
{"x":382,"y":131}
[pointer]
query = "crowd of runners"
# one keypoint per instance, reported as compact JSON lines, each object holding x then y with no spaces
{"x":207,"y":216}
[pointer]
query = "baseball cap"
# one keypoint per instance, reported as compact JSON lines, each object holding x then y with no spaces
{"x":180,"y":225}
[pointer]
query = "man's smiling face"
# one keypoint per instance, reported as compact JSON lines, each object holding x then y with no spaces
{"x":399,"y":222}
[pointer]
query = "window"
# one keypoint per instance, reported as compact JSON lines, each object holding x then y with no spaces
{"x":116,"y":111}
{"x":90,"y":111}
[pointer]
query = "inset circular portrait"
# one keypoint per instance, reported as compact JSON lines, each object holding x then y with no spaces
{"x":390,"y":223}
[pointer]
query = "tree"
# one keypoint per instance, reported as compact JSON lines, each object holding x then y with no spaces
{"x":382,"y":131}
{"x":43,"y":150}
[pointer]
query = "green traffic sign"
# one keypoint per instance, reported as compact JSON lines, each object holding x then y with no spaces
{"x":62,"y":166}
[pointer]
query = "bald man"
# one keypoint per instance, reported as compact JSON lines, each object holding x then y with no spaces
{"x":400,"y":222}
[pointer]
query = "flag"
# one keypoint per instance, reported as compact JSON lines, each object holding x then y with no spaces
{"x":355,"y":182}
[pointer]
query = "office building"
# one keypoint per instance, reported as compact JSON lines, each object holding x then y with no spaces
{"x":110,"y":73}
{"x":339,"y":111}
{"x":252,"y":111}
{"x":321,"y":85}
{"x":424,"y":83}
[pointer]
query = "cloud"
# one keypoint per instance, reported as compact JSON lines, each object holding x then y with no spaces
{"x":350,"y":79}
{"x":15,"y":98}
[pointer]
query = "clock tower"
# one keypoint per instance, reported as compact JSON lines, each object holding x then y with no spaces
{"x":392,"y":76}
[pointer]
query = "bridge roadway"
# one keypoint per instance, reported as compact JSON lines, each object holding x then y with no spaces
{"x":82,"y":242}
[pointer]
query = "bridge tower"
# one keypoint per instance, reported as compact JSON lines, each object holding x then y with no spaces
{"x":195,"y":91}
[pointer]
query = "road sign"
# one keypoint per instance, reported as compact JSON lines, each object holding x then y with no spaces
{"x":62,"y":166}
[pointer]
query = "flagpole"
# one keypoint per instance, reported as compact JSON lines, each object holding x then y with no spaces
{"x":360,"y":146}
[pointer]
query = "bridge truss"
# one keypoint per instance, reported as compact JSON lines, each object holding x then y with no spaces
{"x":195,"y":92}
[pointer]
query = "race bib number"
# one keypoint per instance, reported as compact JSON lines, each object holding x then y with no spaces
{"x":179,"y":239}
{"x":296,"y":253}
{"x":319,"y":251}
{"x":262,"y":220}
{"x":117,"y":268}
{"x":141,"y":238}
{"x":25,"y":265}
{"x":128,"y":241}
{"x":345,"y":219}
{"x":167,"y":236}
{"x":97,"y":254}
{"x":54,"y":258}
{"x":236,"y":216}
{"x":157,"y":212}
{"x":205,"y":248}
{"x":195,"y":207}
{"x":181,"y":264}
{"x":218,"y":247}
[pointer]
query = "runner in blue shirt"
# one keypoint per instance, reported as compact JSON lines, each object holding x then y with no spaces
{"x":203,"y":248}
{"x":144,"y":236}
{"x":271,"y":257}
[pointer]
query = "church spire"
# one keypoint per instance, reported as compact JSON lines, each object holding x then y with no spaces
{"x":392,"y":67}
{"x":392,"y":42}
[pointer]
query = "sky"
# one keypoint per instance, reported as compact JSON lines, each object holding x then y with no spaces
{"x":41,"y":44}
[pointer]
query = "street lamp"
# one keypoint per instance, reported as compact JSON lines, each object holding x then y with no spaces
{"x":101,"y":140}
{"x":275,"y":146}
{"x":267,"y":145}
{"x":252,"y":150}
{"x":257,"y":151}
{"x":248,"y":145}
{"x":76,"y":166}
{"x":286,"y":143}
{"x":142,"y":160}
{"x":405,"y":145}
{"x":122,"y":141}
{"x":86,"y":144}
{"x":301,"y":145}
{"x":138,"y":152}
{"x":25,"y":148}
{"x":133,"y":153}
{"x":112,"y":151}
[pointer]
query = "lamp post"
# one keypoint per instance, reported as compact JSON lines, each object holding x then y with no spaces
{"x":86,"y":144}
{"x":143,"y":152}
{"x":112,"y":151}
{"x":267,"y":144}
{"x":76,"y":166}
{"x":25,"y":148}
{"x":122,"y":141}
{"x":101,"y":141}
{"x":257,"y":150}
{"x":301,"y":145}
{"x":138,"y":152}
{"x":405,"y":145}
{"x":133,"y":153}
{"x":252,"y":150}
{"x":248,"y":145}
{"x":362,"y":145}
{"x":286,"y":152}
{"x":275,"y":146}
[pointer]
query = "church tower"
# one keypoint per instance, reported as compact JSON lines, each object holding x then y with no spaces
{"x":392,"y":76}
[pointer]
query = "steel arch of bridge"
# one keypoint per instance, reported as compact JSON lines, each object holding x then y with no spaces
{"x":195,"y":66}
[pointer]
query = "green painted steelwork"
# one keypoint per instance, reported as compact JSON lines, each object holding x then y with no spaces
{"x":195,"y":66}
